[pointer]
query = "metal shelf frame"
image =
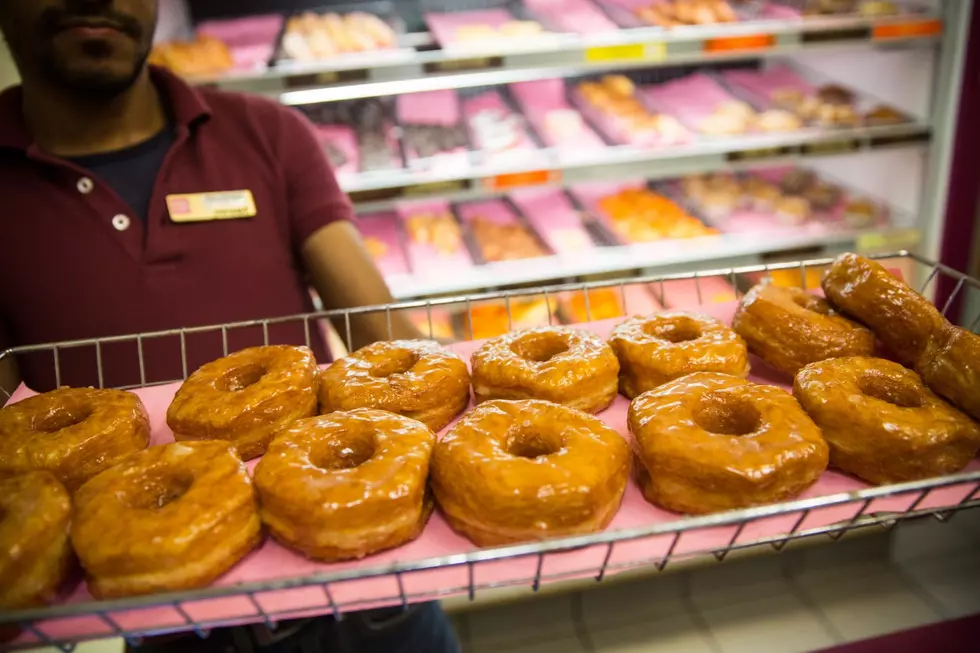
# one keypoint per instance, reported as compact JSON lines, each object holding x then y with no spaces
{"x":862,"y":501}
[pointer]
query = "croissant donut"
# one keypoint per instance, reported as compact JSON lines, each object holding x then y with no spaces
{"x":789,"y":328}
{"x":882,"y":423}
{"x":708,"y":442}
{"x":34,"y":551}
{"x":950,"y":366}
{"x":168,"y":518}
{"x":347,"y":484}
{"x":415,"y":378}
{"x":513,"y":471}
{"x":74,"y":433}
{"x":656,"y":349}
{"x":246,"y":397}
{"x":559,"y":364}
{"x":901,"y":318}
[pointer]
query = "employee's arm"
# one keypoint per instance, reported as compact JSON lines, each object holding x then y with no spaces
{"x":345,"y":276}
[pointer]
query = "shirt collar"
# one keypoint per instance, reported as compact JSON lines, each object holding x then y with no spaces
{"x":187,"y":105}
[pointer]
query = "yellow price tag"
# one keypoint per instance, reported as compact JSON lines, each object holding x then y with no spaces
{"x":627,"y":52}
{"x":890,"y":240}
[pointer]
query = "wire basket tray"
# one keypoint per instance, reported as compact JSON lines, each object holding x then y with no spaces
{"x":338,"y":589}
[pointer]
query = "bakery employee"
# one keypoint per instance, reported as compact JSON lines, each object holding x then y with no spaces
{"x":112,"y":178}
{"x":132,"y":202}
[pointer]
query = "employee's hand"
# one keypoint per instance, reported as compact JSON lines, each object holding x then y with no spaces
{"x":345,"y":276}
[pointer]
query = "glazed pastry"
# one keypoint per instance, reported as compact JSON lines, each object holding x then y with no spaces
{"x":559,"y":364}
{"x":777,"y":120}
{"x":514,"y":471}
{"x":860,"y":213}
{"x":882,"y":423}
{"x":708,"y":442}
{"x":901,"y":318}
{"x":74,"y":433}
{"x":168,"y":518}
{"x":789,"y":328}
{"x":764,"y":196}
{"x":797,"y":181}
{"x":347,"y":484}
{"x":660,"y":348}
{"x":34,"y":551}
{"x":792,"y":210}
{"x":822,"y":196}
{"x":414,"y":378}
{"x":246,"y":397}
{"x":950,"y":366}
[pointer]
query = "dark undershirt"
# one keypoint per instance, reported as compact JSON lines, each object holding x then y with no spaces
{"x":131,"y":172}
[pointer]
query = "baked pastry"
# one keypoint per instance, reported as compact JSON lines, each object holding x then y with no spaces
{"x":347,"y":484}
{"x":74,"y":433}
{"x":950,"y":366}
{"x":246,"y":397}
{"x":168,"y":518}
{"x":660,"y":348}
{"x":34,"y":551}
{"x":513,"y":471}
{"x":414,"y":378}
{"x":901,"y":318}
{"x":560,"y":364}
{"x":860,"y":213}
{"x":792,"y":210}
{"x":708,"y":442}
{"x":882,"y":423}
{"x":789,"y":328}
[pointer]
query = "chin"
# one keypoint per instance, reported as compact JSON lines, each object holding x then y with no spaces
{"x":99,"y":77}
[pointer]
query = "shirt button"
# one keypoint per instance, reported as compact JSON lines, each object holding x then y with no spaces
{"x":121,"y":222}
{"x":85,"y":185}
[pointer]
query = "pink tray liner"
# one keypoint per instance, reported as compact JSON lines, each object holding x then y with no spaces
{"x":490,"y":101}
{"x":769,"y":11}
{"x":551,"y":213}
{"x":384,"y":227}
{"x":252,"y":40}
{"x":273,"y":561}
{"x":495,"y":211}
{"x":429,"y":108}
{"x":761,"y":84}
{"x":444,"y":25}
{"x":343,"y":138}
{"x":579,"y":16}
{"x":425,"y":260}
{"x":690,"y":99}
{"x":617,"y":130}
{"x":538,"y":99}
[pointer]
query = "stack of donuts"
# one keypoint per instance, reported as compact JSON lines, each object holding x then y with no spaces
{"x":351,"y":464}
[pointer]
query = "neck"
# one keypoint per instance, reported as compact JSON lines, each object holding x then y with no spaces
{"x":66,"y":125}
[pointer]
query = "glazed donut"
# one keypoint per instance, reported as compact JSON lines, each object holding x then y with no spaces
{"x":882,"y":423}
{"x":708,"y":442}
{"x":347,"y":484}
{"x":34,"y":551}
{"x":901,"y":318}
{"x":74,"y":433}
{"x":789,"y":328}
{"x":660,"y":348}
{"x":246,"y":397}
{"x":558,"y":364}
{"x":168,"y":518}
{"x":514,"y":471}
{"x":950,"y":366}
{"x":414,"y":378}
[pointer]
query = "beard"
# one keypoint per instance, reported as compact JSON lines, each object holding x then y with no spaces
{"x":100,"y":73}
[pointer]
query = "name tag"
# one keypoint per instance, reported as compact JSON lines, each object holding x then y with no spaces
{"x":204,"y":207}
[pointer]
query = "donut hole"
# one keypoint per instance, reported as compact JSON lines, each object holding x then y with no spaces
{"x":539,"y":347}
{"x":533,"y":444}
{"x":726,"y":414}
{"x":398,"y":362}
{"x":673,"y":329}
{"x":159,"y":488}
{"x":242,"y":377}
{"x":898,"y":392}
{"x":813,"y":304}
{"x":61,"y":418}
{"x":346,"y":451}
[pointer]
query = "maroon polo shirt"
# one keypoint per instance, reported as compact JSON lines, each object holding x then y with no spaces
{"x":76,"y":264}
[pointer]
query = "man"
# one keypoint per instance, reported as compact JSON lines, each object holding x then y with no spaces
{"x":113,"y":176}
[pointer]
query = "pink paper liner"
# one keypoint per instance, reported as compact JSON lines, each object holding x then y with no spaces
{"x":343,"y":138}
{"x":444,"y":25}
{"x":577,"y":16}
{"x":384,"y":228}
{"x":555,"y":219}
{"x":252,"y":40}
{"x":523,"y":150}
{"x":538,"y":99}
{"x":690,"y":99}
{"x":426,"y":260}
{"x":273,"y":561}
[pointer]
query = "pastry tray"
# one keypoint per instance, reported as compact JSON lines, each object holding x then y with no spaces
{"x":273,"y":583}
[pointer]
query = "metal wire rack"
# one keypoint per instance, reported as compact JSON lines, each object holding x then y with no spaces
{"x":597,"y":556}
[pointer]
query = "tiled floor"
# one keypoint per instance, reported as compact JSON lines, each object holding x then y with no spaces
{"x":805,"y":598}
{"x":801,"y":600}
